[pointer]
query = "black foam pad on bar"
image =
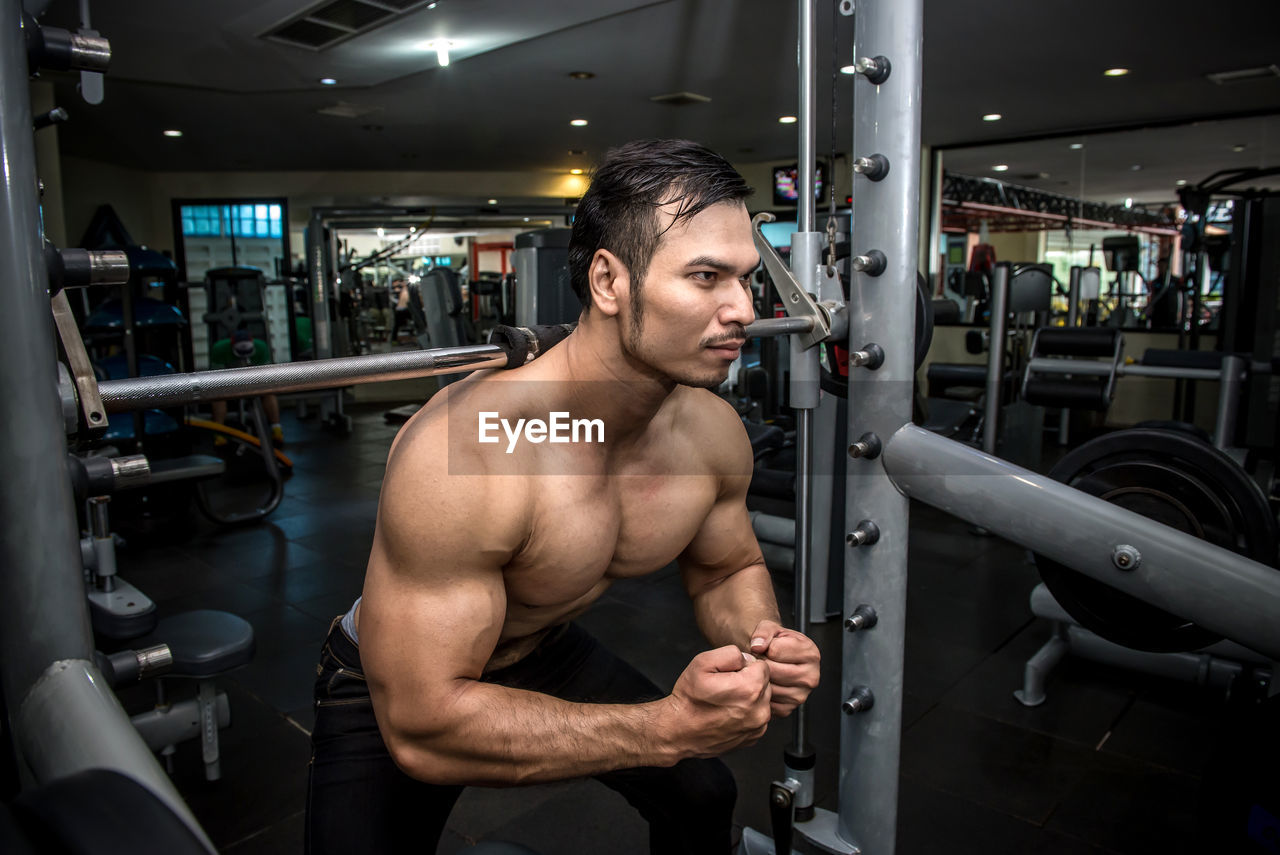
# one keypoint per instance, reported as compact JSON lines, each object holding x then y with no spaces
{"x":523,"y":342}
{"x":1076,"y":342}
{"x":1088,"y":393}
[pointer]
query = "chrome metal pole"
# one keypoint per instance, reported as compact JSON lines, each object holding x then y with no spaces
{"x":168,"y":390}
{"x":808,"y":110}
{"x":1230,"y":383}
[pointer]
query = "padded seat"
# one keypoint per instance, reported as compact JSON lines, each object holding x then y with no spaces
{"x":205,"y":643}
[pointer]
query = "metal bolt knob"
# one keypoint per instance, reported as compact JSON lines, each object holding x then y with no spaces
{"x":874,"y":167}
{"x":871,"y":357}
{"x":1125,"y":557}
{"x":863,"y":617}
{"x":875,"y":69}
{"x":865,"y":534}
{"x":872,"y":264}
{"x":867,"y":446}
{"x":859,"y":700}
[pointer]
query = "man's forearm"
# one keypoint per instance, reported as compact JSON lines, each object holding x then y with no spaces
{"x":491,"y":735}
{"x":730,"y":609}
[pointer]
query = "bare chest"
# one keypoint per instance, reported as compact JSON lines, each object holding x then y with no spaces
{"x":590,"y":531}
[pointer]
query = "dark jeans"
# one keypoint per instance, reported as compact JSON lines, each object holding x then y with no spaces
{"x":358,"y":800}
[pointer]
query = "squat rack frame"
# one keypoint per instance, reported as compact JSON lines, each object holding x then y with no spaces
{"x":62,"y":719}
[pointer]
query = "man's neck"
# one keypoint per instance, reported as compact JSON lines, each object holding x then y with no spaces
{"x":604,"y":383}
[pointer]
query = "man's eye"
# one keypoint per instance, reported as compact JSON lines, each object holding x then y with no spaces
{"x":705,"y":275}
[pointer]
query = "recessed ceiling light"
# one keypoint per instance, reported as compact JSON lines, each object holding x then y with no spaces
{"x":1116,"y":72}
{"x":173,"y":133}
{"x":432,"y":5}
{"x":1000,"y":167}
{"x":526,"y":219}
{"x":1238,"y":147}
{"x":992,"y":117}
{"x":493,"y":201}
{"x":1076,"y":146}
{"x":581,"y":75}
{"x":578,"y":123}
{"x":575,"y":171}
{"x":328,"y":81}
{"x":1128,"y":203}
{"x":787,"y":120}
{"x":1137,"y":167}
{"x":1181,"y":182}
{"x":849,"y":69}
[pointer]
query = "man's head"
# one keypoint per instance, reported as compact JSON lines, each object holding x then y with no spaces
{"x":620,"y":211}
{"x":662,"y":250}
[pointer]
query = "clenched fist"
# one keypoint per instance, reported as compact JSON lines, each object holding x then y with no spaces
{"x":794,"y":663}
{"x":720,"y":702}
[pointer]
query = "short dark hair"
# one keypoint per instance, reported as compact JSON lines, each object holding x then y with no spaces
{"x":619,"y":210}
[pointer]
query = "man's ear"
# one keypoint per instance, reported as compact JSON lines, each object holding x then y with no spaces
{"x":608,"y":281}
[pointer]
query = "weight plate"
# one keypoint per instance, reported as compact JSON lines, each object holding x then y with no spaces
{"x":834,"y":372}
{"x":1177,"y":480}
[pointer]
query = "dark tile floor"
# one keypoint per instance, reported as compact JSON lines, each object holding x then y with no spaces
{"x":1110,"y":764}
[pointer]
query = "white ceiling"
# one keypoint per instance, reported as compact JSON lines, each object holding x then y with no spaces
{"x":504,"y":103}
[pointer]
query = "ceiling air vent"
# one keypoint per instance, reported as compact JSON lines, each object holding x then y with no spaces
{"x":1244,"y":75}
{"x":680,"y":99}
{"x":326,"y":24}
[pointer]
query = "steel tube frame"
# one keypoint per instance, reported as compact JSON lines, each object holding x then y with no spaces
{"x":886,"y":121}
{"x":995,"y":357}
{"x":1050,"y":365}
{"x":1218,"y":589}
{"x":62,"y":721}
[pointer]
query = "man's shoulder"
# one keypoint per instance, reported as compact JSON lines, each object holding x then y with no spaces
{"x":714,"y":428}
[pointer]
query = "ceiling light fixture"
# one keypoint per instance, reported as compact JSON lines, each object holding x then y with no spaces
{"x":581,"y":75}
{"x":1000,"y":167}
{"x":1238,"y":147}
{"x":575,"y":171}
{"x":578,"y":123}
{"x":1076,"y":146}
{"x":1128,"y":203}
{"x":1181,"y":182}
{"x":173,"y":133}
{"x":328,"y":81}
{"x":787,"y":120}
{"x":1116,"y":72}
{"x":493,"y":201}
{"x":1137,"y":167}
{"x":992,"y":117}
{"x":441,"y":47}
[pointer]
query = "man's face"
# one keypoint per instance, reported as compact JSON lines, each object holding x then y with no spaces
{"x":687,"y":319}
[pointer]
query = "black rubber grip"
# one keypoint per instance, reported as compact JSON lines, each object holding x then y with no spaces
{"x":522,"y":343}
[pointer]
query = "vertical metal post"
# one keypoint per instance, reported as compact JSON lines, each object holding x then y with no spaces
{"x":1232,"y":379}
{"x":886,"y":211}
{"x":808,"y":102}
{"x":1073,"y":298}
{"x":805,"y":255}
{"x":318,"y":268}
{"x":40,"y":552}
{"x":62,"y":719}
{"x":995,"y":356}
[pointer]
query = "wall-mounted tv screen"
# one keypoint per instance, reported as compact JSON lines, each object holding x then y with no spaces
{"x":786,"y":179}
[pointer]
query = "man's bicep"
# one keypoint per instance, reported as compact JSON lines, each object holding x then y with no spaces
{"x":724,"y":543}
{"x":434,"y":598}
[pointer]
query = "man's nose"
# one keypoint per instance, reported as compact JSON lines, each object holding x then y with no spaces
{"x":739,"y":308}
